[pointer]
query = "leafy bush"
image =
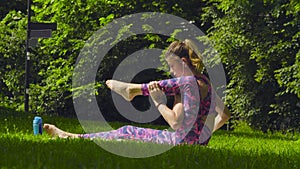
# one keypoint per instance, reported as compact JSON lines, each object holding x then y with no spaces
{"x":258,"y":43}
{"x":53,"y":94}
{"x":12,"y":58}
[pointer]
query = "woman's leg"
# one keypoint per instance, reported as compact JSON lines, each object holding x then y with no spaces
{"x":135,"y":133}
{"x":124,"y":133}
{"x":56,"y":132}
{"x":129,"y":90}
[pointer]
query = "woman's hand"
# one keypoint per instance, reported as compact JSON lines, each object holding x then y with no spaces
{"x":156,"y":93}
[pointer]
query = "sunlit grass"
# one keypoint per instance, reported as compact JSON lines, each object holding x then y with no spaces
{"x":241,"y":148}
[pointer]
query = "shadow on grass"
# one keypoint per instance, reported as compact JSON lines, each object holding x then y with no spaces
{"x":259,"y":135}
{"x":17,"y":152}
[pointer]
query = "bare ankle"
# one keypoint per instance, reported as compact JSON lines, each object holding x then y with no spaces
{"x":134,"y":90}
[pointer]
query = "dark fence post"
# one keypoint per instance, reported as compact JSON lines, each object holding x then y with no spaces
{"x":34,"y":31}
{"x":27,"y":59}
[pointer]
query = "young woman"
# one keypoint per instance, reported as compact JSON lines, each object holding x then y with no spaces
{"x":191,"y":117}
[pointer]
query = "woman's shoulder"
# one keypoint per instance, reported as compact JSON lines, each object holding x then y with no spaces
{"x":188,"y":79}
{"x":202,"y":78}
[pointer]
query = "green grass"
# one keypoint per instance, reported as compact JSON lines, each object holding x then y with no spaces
{"x":242,"y":148}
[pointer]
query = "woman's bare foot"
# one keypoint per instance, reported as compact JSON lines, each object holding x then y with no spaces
{"x":56,"y":132}
{"x":127,"y":90}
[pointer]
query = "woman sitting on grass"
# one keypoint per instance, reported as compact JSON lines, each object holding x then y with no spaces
{"x":190,"y":117}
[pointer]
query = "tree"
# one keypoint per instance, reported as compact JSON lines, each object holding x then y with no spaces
{"x":53,"y":60}
{"x":258,"y":43}
{"x":12,"y":54}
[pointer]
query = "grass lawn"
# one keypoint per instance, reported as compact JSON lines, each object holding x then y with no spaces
{"x":242,"y":148}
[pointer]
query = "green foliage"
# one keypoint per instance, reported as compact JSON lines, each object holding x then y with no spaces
{"x":12,"y":58}
{"x":289,"y":77}
{"x":76,"y":21}
{"x":53,"y":93}
{"x":258,"y":43}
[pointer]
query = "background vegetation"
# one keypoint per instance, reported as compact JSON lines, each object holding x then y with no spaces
{"x":257,"y":40}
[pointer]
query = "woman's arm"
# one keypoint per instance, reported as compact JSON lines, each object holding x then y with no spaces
{"x":174,"y":116}
{"x":223,"y":114}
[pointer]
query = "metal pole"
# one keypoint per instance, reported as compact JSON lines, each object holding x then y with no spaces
{"x":27,"y":59}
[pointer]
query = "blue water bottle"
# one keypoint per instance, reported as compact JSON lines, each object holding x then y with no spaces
{"x":37,"y":125}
